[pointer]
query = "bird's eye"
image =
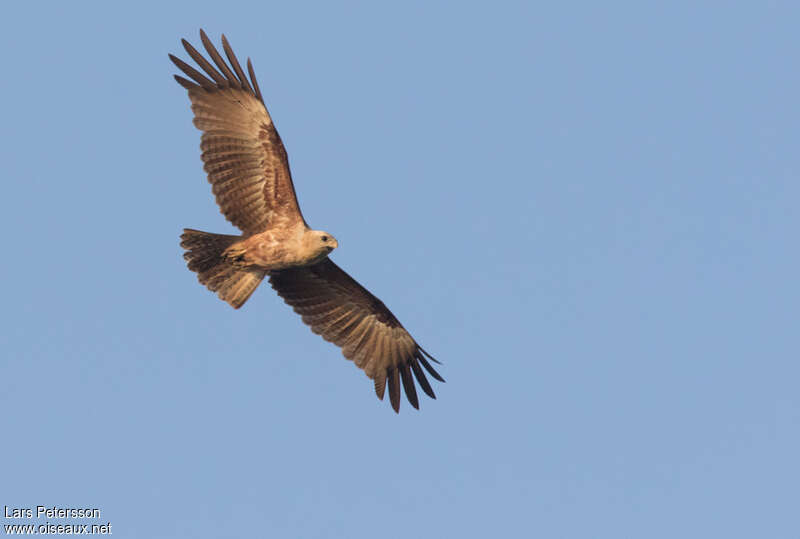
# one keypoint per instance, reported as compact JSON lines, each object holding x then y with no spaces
{"x":324,"y":238}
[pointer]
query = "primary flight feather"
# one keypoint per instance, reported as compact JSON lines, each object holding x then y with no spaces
{"x":249,"y":173}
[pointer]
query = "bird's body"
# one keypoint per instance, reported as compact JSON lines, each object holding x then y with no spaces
{"x":281,"y":248}
{"x":248,"y":168}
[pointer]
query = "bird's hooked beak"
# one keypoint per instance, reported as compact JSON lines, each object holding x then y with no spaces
{"x":334,"y":244}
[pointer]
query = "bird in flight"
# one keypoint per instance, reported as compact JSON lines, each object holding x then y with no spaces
{"x":248,"y":169}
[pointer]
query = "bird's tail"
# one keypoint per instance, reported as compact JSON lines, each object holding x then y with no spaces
{"x":205,"y":255}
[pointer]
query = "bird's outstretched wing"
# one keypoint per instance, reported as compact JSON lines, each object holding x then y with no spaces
{"x":242,"y":152}
{"x":348,"y":315}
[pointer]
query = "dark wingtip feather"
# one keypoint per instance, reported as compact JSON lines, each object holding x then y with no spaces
{"x":193,"y":74}
{"x":408,"y":385}
{"x":252,"y":73}
{"x":204,"y":64}
{"x":423,"y":382}
{"x":429,"y":356}
{"x":214,"y":54}
{"x":189,"y":85}
{"x":226,"y":46}
{"x":428,"y":367}
{"x":174,"y":59}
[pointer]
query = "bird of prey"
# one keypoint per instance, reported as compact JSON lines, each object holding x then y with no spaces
{"x":248,"y":169}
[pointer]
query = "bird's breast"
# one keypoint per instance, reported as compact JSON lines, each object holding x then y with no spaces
{"x":274,"y":250}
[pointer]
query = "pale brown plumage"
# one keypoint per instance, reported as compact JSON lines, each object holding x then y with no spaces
{"x":249,"y":172}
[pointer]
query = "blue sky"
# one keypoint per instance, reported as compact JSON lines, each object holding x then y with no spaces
{"x":587,"y":212}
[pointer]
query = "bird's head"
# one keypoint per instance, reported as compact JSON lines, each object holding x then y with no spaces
{"x":324,"y":242}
